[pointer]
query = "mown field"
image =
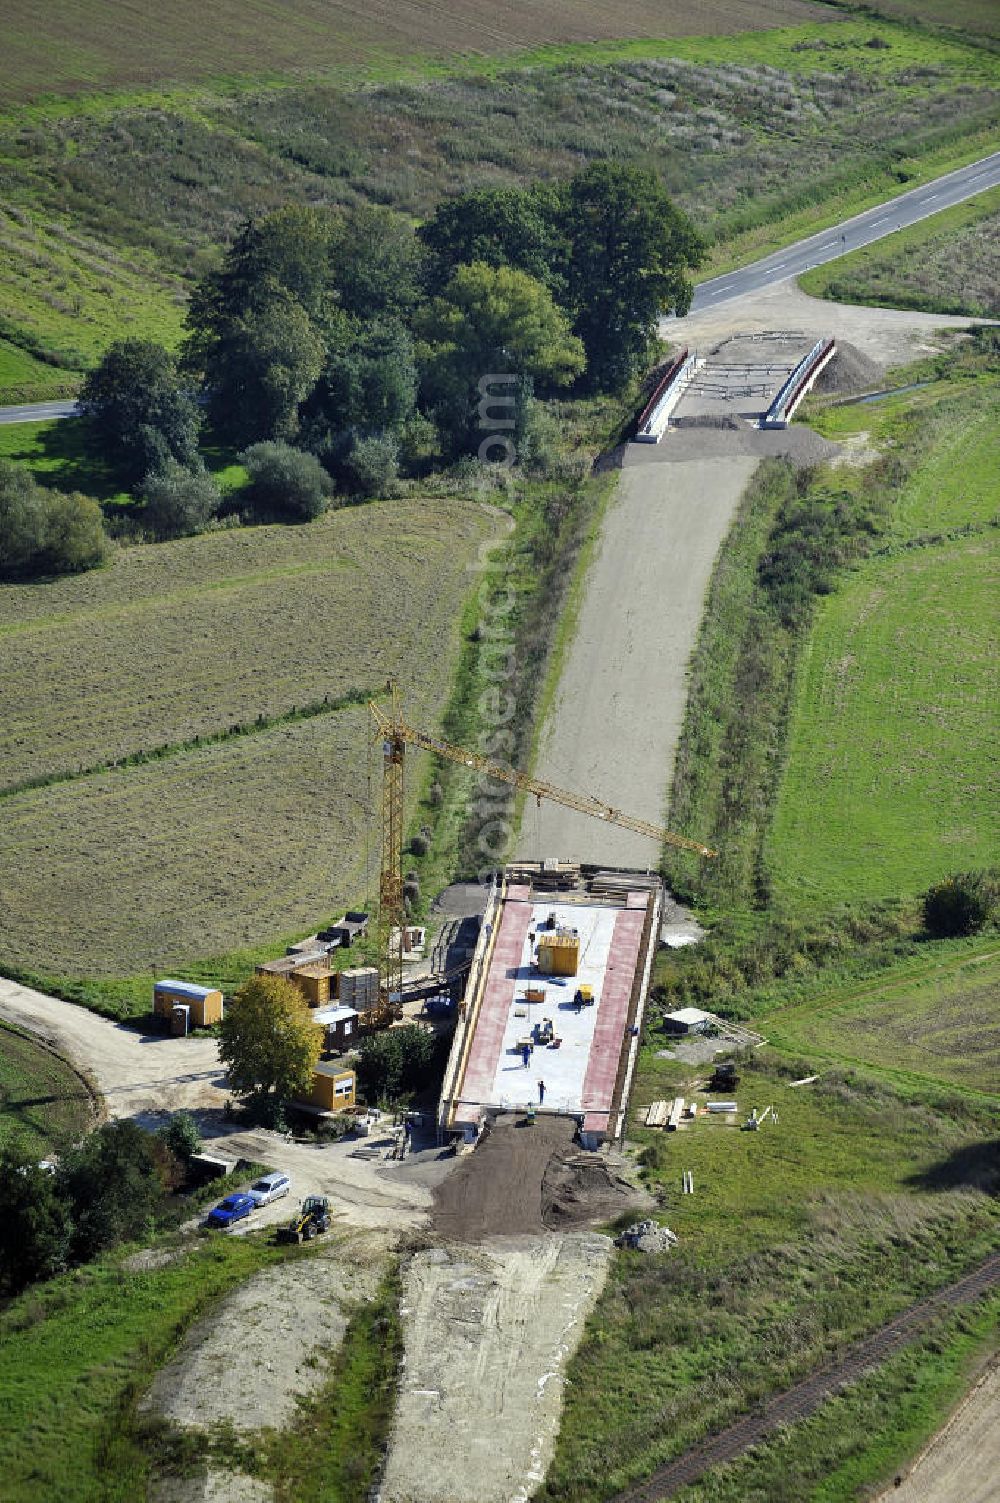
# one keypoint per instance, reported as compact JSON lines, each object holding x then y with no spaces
{"x":949,"y":263}
{"x":186,"y":639}
{"x":43,"y":1103}
{"x":939,"y":1020}
{"x":98,"y":44}
{"x":797,"y":1239}
{"x":225,"y":846}
{"x":892,"y":749}
{"x":964,"y":15}
{"x":112,"y":207}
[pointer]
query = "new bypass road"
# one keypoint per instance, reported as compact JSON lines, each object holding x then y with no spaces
{"x":897,"y":214}
{"x":874,"y":224}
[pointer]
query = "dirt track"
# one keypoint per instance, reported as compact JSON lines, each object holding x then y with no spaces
{"x":135,"y":1074}
{"x":529,"y":1180}
{"x":279,"y":1322}
{"x":889,"y":336}
{"x":488,"y":1329}
{"x":962,"y":1462}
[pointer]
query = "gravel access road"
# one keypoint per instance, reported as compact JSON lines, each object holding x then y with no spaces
{"x":618,"y":709}
{"x":488,"y":1331}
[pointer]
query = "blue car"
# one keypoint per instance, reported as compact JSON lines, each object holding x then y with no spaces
{"x":233,"y":1208}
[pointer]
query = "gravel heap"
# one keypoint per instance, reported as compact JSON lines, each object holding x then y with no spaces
{"x":647,"y":1237}
{"x":849,"y":371}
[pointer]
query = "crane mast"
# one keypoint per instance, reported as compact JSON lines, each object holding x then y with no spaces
{"x":397,"y":734}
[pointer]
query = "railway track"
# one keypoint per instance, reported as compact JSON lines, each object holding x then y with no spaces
{"x":799,"y":1402}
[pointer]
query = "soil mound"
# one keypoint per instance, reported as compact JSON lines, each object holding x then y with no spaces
{"x":581,"y":1189}
{"x":849,"y":371}
{"x":526,"y":1179}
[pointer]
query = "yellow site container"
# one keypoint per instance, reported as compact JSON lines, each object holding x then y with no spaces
{"x":313,"y":981}
{"x":558,"y":952}
{"x":333,"y":1089}
{"x":204,"y":1002}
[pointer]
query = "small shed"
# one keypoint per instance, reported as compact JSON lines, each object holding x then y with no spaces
{"x":340,"y":1025}
{"x":687,"y":1020}
{"x":204,"y":1003}
{"x":333,"y":1089}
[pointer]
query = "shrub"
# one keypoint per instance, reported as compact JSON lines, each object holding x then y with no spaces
{"x":285,"y":483}
{"x":114,"y":1183}
{"x":34,"y":1222}
{"x":372,"y":464}
{"x":22,"y":520}
{"x":962,"y":904}
{"x":74,"y":533}
{"x":179,"y":501}
{"x":182,"y":1137}
{"x":46,"y":532}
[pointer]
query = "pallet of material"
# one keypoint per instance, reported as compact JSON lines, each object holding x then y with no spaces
{"x":656,"y":1114}
{"x":676,"y":1107}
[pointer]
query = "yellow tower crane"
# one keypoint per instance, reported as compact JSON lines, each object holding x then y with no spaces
{"x":397,"y":734}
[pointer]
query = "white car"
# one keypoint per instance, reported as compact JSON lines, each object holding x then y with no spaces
{"x":269,"y":1187}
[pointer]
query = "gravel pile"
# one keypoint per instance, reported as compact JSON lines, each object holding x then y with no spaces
{"x":647,"y":1237}
{"x":849,"y":371}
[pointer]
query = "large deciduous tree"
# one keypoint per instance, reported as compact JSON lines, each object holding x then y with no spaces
{"x":139,"y":410}
{"x":261,"y":368}
{"x":269,"y":1042}
{"x":35,"y":1226}
{"x":515,"y":227}
{"x":489,"y":322}
{"x":630,"y":251}
{"x":375,"y":263}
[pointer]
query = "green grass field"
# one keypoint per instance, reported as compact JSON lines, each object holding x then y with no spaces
{"x":43,"y":1103}
{"x":891,"y":748}
{"x":949,"y":263}
{"x":77,"y":1354}
{"x":230,"y":845}
{"x":114,"y":205}
{"x":798,"y":1238}
{"x":25,"y":379}
{"x":939,"y":1021}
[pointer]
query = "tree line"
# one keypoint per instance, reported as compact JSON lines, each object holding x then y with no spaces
{"x":337,"y":349}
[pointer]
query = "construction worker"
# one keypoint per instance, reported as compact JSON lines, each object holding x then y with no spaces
{"x":526,"y":1054}
{"x":541,"y":1092}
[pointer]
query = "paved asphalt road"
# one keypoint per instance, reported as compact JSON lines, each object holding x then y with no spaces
{"x":910,"y":207}
{"x":37,"y":412}
{"x":899,"y":212}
